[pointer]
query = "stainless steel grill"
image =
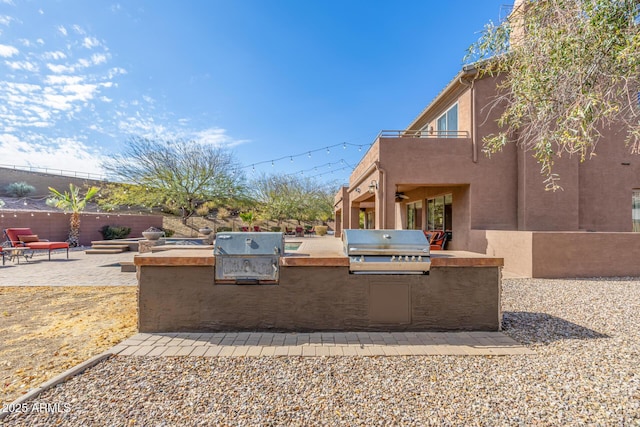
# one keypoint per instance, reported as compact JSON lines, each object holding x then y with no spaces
{"x":248,"y":258}
{"x":387,"y":251}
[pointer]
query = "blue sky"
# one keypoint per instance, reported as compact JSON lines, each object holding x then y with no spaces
{"x":269,"y":79}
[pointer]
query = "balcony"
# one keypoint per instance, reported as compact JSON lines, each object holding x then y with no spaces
{"x":423,"y":134}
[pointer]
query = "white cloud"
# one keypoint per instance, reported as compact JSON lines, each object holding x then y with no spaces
{"x":115,"y":72}
{"x":5,"y":20}
{"x":63,"y":79}
{"x":90,"y":42}
{"x":22,"y":65}
{"x":9,"y":2}
{"x":217,"y":137}
{"x":7,"y":51}
{"x":59,"y":69}
{"x":58,"y":153}
{"x":62,"y":30}
{"x":98,"y":59}
{"x":54,"y":55}
{"x":78,"y":30}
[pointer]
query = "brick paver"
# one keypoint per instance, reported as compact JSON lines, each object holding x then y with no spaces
{"x":255,"y":344}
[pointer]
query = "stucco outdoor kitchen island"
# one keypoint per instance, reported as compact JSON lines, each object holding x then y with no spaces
{"x":316,"y":292}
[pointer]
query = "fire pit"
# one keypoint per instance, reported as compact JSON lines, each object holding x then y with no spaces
{"x":248,"y":258}
{"x":387,"y":251}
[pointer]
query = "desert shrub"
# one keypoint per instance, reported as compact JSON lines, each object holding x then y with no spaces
{"x":112,"y":232}
{"x":20,"y":189}
{"x":168,"y":232}
{"x":219,"y":229}
{"x":276,"y":229}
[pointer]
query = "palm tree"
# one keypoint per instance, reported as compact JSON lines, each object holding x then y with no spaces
{"x":71,"y":201}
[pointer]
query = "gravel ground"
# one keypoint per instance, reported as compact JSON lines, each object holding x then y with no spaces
{"x":586,"y":372}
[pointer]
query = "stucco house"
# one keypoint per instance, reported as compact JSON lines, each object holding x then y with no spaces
{"x":433,"y":175}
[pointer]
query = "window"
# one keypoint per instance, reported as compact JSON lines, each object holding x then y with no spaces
{"x":635,"y":210}
{"x":439,"y":212}
{"x":447,"y":124}
{"x":414,"y":216}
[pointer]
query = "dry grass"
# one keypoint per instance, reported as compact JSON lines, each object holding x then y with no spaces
{"x":47,"y":330}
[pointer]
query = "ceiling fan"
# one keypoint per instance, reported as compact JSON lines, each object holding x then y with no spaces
{"x":401,"y":196}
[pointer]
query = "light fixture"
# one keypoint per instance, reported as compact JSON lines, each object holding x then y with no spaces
{"x":373,"y":186}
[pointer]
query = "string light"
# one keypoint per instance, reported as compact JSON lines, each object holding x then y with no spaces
{"x":308,"y":153}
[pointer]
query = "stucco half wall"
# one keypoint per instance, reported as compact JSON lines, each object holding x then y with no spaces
{"x":548,"y":254}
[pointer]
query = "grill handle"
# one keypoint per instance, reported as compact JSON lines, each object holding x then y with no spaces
{"x":375,"y":251}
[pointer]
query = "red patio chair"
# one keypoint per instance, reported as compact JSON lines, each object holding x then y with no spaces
{"x":24,"y":237}
{"x":438,"y":240}
{"x":244,"y":228}
{"x":256,"y":228}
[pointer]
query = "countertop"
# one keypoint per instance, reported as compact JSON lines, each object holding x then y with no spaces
{"x":313,"y":252}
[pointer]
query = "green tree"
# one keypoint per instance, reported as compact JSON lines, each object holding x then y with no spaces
{"x":282,"y":197}
{"x":72,"y":201}
{"x":178,"y":175}
{"x":568,"y":69}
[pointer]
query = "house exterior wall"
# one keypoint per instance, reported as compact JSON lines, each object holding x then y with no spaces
{"x":500,"y":204}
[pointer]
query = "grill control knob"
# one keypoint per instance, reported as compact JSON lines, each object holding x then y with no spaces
{"x":406,"y":258}
{"x":393,"y":258}
{"x":413,"y":259}
{"x":419,"y":258}
{"x":361,"y":258}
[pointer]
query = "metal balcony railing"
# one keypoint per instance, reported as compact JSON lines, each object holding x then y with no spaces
{"x":423,"y":134}
{"x":61,"y":172}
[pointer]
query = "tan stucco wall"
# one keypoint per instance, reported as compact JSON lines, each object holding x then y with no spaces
{"x":583,"y":254}
{"x":543,"y":254}
{"x":515,"y":247}
{"x":174,"y":298}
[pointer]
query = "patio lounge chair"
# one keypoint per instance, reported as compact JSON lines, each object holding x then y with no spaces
{"x":24,"y":237}
{"x":257,"y":228}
